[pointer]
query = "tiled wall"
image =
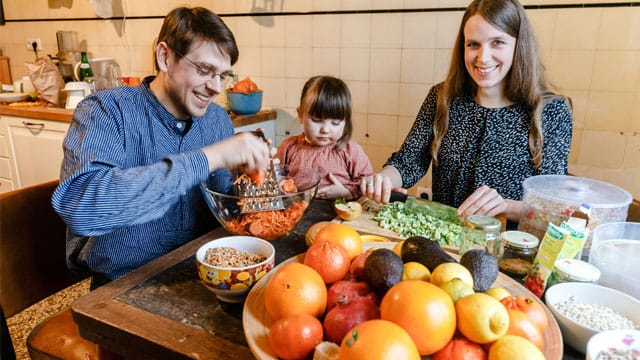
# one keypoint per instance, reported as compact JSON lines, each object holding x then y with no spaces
{"x":389,"y":60}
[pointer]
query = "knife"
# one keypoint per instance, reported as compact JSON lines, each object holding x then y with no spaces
{"x":398,"y":196}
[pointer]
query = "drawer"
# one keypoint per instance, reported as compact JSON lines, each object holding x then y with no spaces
{"x":5,"y":185}
{"x":5,"y":171}
{"x":4,"y":146}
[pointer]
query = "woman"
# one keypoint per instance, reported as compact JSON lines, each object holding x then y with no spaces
{"x":490,"y":125}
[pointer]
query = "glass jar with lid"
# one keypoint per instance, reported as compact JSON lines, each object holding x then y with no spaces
{"x":490,"y":226}
{"x":517,"y":252}
{"x":573,"y":270}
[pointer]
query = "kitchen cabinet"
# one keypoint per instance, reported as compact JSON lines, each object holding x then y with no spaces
{"x":268,"y":127}
{"x":35,"y":149}
{"x":6,"y":173}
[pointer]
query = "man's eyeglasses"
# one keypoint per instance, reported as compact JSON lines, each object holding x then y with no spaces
{"x":207,"y":72}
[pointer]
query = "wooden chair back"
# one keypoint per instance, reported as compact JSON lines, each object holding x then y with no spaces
{"x":32,"y":248}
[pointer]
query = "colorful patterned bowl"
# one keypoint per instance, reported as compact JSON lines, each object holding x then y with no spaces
{"x":621,"y":342}
{"x":231,"y":284}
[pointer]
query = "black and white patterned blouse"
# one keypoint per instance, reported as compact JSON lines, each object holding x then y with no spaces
{"x":483,"y":146}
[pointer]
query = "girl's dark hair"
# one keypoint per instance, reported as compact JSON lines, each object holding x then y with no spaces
{"x":525,"y":83}
{"x":327,"y":97}
{"x":182,"y":26}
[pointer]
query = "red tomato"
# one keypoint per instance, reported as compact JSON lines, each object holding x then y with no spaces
{"x":295,"y":337}
{"x":460,"y":348}
{"x":529,"y":306}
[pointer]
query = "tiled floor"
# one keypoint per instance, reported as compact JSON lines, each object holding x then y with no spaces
{"x":21,"y":324}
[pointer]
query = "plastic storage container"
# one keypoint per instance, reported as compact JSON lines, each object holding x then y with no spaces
{"x":554,"y":198}
{"x":615,"y":250}
{"x":572,"y":270}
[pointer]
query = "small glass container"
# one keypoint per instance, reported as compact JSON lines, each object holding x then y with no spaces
{"x":572,"y":270}
{"x":518,"y":250}
{"x":490,"y":227}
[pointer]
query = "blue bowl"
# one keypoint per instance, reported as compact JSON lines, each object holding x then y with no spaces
{"x":244,"y":104}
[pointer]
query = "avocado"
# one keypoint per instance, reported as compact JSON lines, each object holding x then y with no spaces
{"x":383,"y":269}
{"x":425,"y":251}
{"x":483,"y":267}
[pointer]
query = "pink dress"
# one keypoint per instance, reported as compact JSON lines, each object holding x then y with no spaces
{"x":348,"y":165}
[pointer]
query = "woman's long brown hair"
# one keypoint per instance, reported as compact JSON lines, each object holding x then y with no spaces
{"x":525,"y":83}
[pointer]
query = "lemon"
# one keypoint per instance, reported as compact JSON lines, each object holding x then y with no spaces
{"x":498,"y":293}
{"x":457,"y":289}
{"x":511,"y":347}
{"x":450,"y":270}
{"x":413,"y":270}
{"x":481,"y":318}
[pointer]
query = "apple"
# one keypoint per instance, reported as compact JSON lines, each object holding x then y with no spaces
{"x":481,"y":318}
{"x":348,"y":210}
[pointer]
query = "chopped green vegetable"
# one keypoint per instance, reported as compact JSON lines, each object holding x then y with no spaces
{"x":438,"y":222}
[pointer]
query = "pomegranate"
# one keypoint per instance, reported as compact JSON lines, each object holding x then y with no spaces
{"x":347,"y":314}
{"x":350,"y":289}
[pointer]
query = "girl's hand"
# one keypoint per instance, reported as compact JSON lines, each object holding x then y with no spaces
{"x":334,"y":191}
{"x":483,"y":201}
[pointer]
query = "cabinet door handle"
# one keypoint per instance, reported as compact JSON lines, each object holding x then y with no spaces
{"x":35,"y":128}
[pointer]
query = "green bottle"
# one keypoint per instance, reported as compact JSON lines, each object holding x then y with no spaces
{"x":85,"y":68}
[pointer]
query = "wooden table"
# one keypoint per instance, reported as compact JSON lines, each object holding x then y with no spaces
{"x":162,"y":311}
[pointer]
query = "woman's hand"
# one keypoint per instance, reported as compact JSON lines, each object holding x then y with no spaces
{"x":483,"y":201}
{"x":378,"y":187}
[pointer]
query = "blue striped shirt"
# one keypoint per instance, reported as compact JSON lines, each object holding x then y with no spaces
{"x":129,"y":183}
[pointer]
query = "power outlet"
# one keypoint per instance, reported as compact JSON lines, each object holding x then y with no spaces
{"x":30,"y":41}
{"x":423,"y":191}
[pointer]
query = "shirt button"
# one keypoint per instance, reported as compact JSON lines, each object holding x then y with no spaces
{"x":179,"y":125}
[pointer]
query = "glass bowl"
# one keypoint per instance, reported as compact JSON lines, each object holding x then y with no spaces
{"x":230,"y":211}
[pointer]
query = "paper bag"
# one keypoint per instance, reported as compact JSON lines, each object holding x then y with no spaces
{"x":46,"y":79}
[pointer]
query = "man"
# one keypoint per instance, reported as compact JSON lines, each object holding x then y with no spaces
{"x":135,"y":156}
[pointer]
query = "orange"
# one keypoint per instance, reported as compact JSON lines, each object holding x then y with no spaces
{"x":295,"y":289}
{"x":424,"y":310}
{"x":521,"y":325}
{"x":295,"y":336}
{"x":328,"y":259}
{"x":344,"y":235}
{"x":378,"y":340}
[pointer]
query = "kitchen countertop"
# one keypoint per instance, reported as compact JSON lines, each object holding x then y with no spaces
{"x":64,"y":115}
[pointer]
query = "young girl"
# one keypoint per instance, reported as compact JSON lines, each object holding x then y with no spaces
{"x":325,"y":144}
{"x":490,"y":125}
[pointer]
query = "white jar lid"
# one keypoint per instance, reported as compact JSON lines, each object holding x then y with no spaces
{"x":577,"y":270}
{"x":520,"y":239}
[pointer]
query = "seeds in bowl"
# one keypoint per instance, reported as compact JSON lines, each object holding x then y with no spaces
{"x":229,"y":257}
{"x":595,"y":316}
{"x":617,"y":354}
